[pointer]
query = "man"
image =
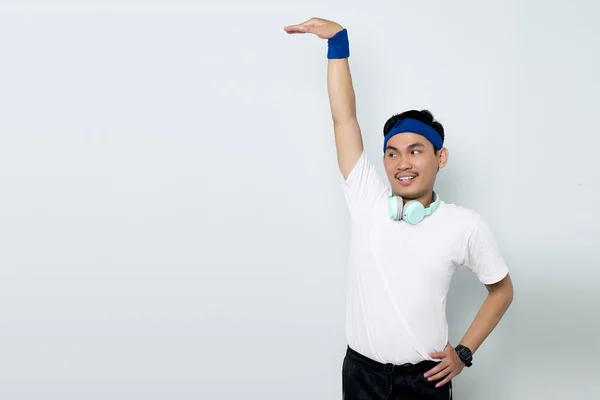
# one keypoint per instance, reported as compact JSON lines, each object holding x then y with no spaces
{"x":406,"y":245}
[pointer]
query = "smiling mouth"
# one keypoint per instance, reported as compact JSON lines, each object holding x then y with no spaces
{"x":406,"y":180}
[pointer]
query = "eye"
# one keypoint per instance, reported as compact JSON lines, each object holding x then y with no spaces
{"x":416,"y":152}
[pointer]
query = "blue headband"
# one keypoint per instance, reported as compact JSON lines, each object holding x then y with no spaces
{"x":414,"y":126}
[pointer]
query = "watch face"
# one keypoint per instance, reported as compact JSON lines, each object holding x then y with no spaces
{"x":465,"y":354}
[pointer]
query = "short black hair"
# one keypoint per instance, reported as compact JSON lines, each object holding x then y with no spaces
{"x":424,"y":116}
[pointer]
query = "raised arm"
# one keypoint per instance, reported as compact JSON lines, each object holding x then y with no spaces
{"x":348,"y":138}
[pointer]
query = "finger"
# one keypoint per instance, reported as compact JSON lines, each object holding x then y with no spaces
{"x":439,"y":354}
{"x":303,"y":27}
{"x":295,"y":29}
{"x":445,"y":381}
{"x":440,"y":375}
{"x":435,"y":370}
{"x":313,"y":22}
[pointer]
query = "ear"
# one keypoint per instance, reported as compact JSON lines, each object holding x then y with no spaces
{"x":442,"y":157}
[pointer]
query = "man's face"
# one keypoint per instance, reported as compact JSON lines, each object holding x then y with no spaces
{"x":411,"y":165}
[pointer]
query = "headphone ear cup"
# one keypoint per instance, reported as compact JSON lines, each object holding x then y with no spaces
{"x":413,"y":212}
{"x":395,"y":207}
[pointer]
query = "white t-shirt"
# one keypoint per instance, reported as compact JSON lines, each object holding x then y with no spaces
{"x":399,"y":274}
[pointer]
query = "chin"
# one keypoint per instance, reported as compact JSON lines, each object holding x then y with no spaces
{"x":408,"y":193}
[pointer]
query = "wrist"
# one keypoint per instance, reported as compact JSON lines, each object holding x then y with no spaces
{"x":465,"y":354}
{"x":338,"y":45}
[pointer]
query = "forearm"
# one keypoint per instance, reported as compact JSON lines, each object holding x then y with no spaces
{"x":348,"y":137}
{"x":341,"y":92}
{"x":487,"y":318}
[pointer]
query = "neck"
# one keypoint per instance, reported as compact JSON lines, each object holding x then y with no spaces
{"x":426,"y":199}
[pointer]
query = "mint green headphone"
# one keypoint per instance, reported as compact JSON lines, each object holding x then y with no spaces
{"x":413,"y":211}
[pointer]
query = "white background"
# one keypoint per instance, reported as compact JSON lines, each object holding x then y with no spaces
{"x":172,"y":224}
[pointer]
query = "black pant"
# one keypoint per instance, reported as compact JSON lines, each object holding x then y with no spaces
{"x":367,"y":379}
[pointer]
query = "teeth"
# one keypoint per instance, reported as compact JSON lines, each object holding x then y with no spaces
{"x":406,"y":178}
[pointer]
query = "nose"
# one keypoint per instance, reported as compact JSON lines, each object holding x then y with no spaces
{"x":404,"y":163}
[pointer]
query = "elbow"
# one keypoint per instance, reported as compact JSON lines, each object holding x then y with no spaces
{"x":508,"y":295}
{"x":502,"y":298}
{"x":510,"y":291}
{"x":344,"y":119}
{"x":503,"y":291}
{"x":509,"y":298}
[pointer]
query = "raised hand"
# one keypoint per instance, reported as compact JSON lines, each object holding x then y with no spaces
{"x":323,"y":28}
{"x":348,"y":137}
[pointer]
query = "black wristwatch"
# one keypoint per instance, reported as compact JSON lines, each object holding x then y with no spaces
{"x":465,"y":354}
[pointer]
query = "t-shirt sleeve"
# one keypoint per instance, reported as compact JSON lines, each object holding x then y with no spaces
{"x":483,"y":255}
{"x":363,"y":186}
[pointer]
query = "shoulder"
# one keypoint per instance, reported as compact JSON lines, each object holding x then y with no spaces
{"x":470,"y":225}
{"x":465,"y":222}
{"x":460,"y":215}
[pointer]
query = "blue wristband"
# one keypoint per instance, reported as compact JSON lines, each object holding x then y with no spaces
{"x":338,"y":46}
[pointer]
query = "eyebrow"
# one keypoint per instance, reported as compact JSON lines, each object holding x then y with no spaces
{"x":410,"y":146}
